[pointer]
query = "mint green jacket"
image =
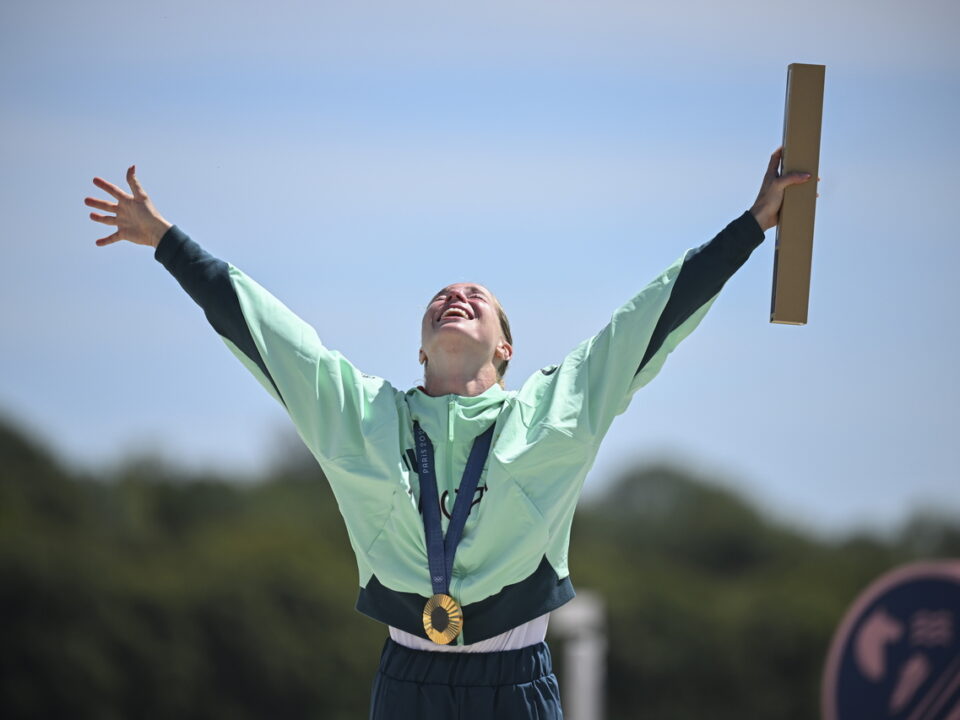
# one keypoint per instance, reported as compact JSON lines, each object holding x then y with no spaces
{"x":511,"y":564}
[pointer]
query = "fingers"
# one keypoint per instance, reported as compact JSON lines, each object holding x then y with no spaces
{"x":109,"y":239}
{"x":774,"y":162}
{"x":133,"y":182}
{"x":105,"y":219}
{"x":101,"y":204}
{"x":772,"y":169}
{"x":112,"y":189}
{"x":795,"y":178}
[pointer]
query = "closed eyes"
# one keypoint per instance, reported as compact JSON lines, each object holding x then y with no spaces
{"x":470,"y":295}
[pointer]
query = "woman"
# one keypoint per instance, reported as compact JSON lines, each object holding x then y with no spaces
{"x":458,"y":495}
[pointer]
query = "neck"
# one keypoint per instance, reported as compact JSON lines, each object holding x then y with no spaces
{"x":459,"y":380}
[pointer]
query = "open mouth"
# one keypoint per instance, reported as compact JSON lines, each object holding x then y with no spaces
{"x":455,"y":312}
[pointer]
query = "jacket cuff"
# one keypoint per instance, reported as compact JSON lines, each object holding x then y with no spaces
{"x":752,"y":226}
{"x":168,"y":246}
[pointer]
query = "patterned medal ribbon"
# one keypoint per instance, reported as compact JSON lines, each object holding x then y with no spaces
{"x":442,"y":616}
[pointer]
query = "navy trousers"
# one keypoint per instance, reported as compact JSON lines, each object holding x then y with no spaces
{"x":424,"y":685}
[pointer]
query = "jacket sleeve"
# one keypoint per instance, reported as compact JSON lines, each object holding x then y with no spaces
{"x":331,"y":403}
{"x":595,"y":382}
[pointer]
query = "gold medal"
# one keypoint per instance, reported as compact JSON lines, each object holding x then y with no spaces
{"x":442,"y":619}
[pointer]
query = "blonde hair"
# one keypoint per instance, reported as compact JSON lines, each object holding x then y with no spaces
{"x":501,"y":367}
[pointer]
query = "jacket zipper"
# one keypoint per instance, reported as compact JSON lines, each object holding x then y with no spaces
{"x":451,"y":410}
{"x":451,"y":498}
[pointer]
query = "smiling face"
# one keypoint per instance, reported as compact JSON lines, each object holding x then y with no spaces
{"x":464,"y":318}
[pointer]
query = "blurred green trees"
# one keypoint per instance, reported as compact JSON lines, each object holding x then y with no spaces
{"x":146,"y":594}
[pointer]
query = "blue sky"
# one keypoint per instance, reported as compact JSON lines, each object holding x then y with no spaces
{"x":354,"y":157}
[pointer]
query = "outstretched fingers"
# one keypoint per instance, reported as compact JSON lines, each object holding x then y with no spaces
{"x":109,"y":239}
{"x":112,"y":189}
{"x":133,"y":182}
{"x":105,"y":219}
{"x":101,"y":204}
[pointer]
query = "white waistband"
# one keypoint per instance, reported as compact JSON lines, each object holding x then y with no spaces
{"x":530,"y":633}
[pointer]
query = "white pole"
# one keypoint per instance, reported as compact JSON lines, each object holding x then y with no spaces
{"x":580,"y":624}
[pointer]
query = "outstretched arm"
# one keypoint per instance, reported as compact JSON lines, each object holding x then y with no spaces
{"x":332,"y":404}
{"x":595,"y":382}
{"x":702,"y":275}
{"x":706,"y":269}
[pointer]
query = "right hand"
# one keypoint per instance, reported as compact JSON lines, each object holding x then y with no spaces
{"x":766,"y":208}
{"x":136,"y":219}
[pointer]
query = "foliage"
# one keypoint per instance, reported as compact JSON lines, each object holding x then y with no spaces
{"x":145,"y":593}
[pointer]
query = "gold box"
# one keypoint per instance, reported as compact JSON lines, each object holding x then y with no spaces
{"x":793,"y":254}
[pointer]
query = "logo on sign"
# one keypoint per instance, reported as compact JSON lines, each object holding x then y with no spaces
{"x":896,"y":653}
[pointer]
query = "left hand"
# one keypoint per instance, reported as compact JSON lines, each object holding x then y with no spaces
{"x":766,"y":209}
{"x":136,"y":219}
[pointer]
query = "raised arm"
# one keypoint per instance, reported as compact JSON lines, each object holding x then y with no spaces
{"x":706,"y":269}
{"x":595,"y":382}
{"x":332,"y":404}
{"x":703,"y":273}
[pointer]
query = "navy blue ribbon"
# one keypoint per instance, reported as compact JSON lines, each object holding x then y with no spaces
{"x":440,"y":549}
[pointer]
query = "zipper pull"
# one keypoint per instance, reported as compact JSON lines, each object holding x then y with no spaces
{"x":450,"y":417}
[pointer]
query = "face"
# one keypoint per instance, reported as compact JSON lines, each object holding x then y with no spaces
{"x":463,"y":315}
